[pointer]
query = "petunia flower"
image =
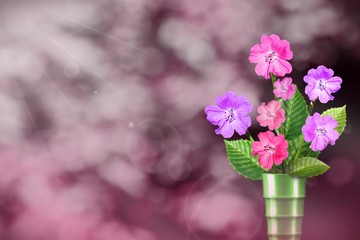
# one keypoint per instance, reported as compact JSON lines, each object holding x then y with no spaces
{"x":271,"y":55}
{"x":231,"y":113}
{"x":271,"y":149}
{"x":271,"y":115}
{"x":320,"y":131}
{"x":284,"y":88}
{"x":321,"y":84}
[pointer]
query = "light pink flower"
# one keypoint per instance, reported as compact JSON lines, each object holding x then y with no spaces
{"x":271,"y":55}
{"x":271,"y":115}
{"x":271,"y":149}
{"x":284,"y":88}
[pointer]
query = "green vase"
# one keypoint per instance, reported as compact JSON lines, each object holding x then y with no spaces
{"x":284,"y":199}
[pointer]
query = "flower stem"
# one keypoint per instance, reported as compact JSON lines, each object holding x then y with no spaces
{"x":299,"y":148}
{"x":273,"y":80}
{"x":308,"y":152}
{"x":311,"y":107}
{"x":282,"y":168}
{"x":249,"y":136}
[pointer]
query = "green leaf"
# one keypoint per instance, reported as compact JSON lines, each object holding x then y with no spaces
{"x":338,"y":114}
{"x":307,"y":167}
{"x":305,"y":150}
{"x":296,"y":113}
{"x":240,"y":158}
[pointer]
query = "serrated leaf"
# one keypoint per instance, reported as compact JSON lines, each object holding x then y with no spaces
{"x":295,"y":113}
{"x":240,"y":158}
{"x":307,"y":167}
{"x":338,"y":114}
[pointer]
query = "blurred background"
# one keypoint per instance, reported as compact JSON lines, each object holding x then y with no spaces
{"x":103,"y":133}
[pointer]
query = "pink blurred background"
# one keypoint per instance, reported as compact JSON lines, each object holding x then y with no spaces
{"x":103,"y":134}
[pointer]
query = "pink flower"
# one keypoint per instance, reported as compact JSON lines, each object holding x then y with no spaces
{"x":284,"y":88}
{"x":271,"y":115}
{"x":271,"y":149}
{"x":271,"y":55}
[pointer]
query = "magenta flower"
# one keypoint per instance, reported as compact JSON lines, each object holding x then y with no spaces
{"x":320,"y":131}
{"x":271,"y":149}
{"x":321,"y":84}
{"x":231,"y":113}
{"x":271,"y":55}
{"x":284,"y":88}
{"x":271,"y":115}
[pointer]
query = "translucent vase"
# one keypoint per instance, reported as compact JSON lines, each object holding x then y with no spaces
{"x":284,"y":199}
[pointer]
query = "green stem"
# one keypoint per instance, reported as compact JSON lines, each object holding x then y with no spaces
{"x":299,"y":148}
{"x":249,"y":136}
{"x":282,"y":168}
{"x":311,"y":107}
{"x":273,"y":80}
{"x":308,"y":152}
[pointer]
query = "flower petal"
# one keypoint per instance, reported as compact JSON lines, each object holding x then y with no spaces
{"x":226,"y":100}
{"x":290,"y":92}
{"x":262,"y":69}
{"x":256,"y":54}
{"x":274,"y":106}
{"x":243,"y":105}
{"x":309,"y":129}
{"x":333,"y":84}
{"x":262,"y":109}
{"x":324,"y":72}
{"x":280,"y":155}
{"x":312,"y":92}
{"x":286,"y":81}
{"x":257,"y":147}
{"x":225,"y":129}
{"x":330,"y":122}
{"x":262,"y":120}
{"x":319,"y":143}
{"x":214,"y":114}
{"x":267,"y":42}
{"x":282,"y":67}
{"x":332,"y":136}
{"x":240,"y":126}
{"x":266,"y":137}
{"x":266,"y":161}
{"x":325,"y":96}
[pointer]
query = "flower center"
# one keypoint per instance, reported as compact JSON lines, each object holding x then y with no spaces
{"x":283,"y":88}
{"x":322,"y":85}
{"x":270,"y":114}
{"x":230,"y":115}
{"x":271,"y":57}
{"x":320,"y":131}
{"x":269,"y":148}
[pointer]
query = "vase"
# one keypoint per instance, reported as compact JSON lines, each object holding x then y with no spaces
{"x":284,"y":205}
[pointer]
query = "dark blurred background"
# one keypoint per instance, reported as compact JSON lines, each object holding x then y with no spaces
{"x":103,"y":134}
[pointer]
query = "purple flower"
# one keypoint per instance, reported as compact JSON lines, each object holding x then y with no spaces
{"x":321,"y":84}
{"x":320,"y":131}
{"x":231,"y":113}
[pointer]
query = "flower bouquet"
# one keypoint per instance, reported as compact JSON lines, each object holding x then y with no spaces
{"x":287,"y":153}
